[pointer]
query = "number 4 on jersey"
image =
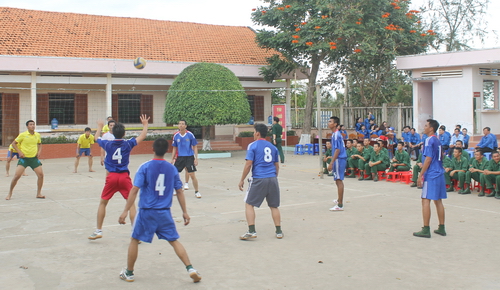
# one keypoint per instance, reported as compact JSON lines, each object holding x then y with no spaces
{"x":118,"y":155}
{"x":160,"y":184}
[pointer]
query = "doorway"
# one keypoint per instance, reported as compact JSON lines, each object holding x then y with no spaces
{"x":9,"y":118}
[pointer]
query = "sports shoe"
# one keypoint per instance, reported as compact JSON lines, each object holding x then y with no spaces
{"x":414,"y":184}
{"x":95,"y":235}
{"x":194,"y":275}
{"x":186,"y":186}
{"x":197,"y":194}
{"x":248,"y":235}
{"x":492,"y":194}
{"x":482,"y":193}
{"x":124,"y":276}
{"x":440,"y":231}
{"x":465,"y":191}
{"x":279,"y":235}
{"x":424,"y":233}
{"x":450,"y":189}
{"x":369,"y":178}
{"x":336,"y":208}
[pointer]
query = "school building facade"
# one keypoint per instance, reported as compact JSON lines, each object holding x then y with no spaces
{"x":78,"y":68}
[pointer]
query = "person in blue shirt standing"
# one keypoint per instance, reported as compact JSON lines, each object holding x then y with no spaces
{"x":466,"y":138}
{"x":433,"y":181}
{"x":185,"y":154}
{"x":444,"y":138}
{"x":414,"y":143}
{"x":406,"y":137}
{"x":489,"y":141}
{"x":116,"y":162}
{"x":338,"y":163}
{"x":156,"y":179}
{"x":262,"y":159}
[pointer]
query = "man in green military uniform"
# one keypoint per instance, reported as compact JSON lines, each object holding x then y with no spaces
{"x":459,"y":165}
{"x":358,"y":160}
{"x":417,"y":168}
{"x":401,"y":160}
{"x":350,"y":150}
{"x":276,"y":132}
{"x":366,"y":144}
{"x":378,"y":162}
{"x":465,"y":154}
{"x":492,"y":174}
{"x":327,"y":158}
{"x":476,"y":170}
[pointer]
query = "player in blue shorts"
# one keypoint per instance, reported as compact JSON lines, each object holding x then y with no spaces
{"x":338,"y":163}
{"x":262,"y":159}
{"x":156,"y":180}
{"x":432,"y":178}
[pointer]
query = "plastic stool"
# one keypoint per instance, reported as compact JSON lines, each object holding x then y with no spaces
{"x":487,"y":155}
{"x":393,"y":176}
{"x":316,"y":149}
{"x":299,"y":149}
{"x":381,"y":175}
{"x":309,"y":148}
{"x":406,"y":176}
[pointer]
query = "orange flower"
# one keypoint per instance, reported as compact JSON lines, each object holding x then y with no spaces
{"x":332,"y":43}
{"x":324,"y":16}
{"x":295,"y":25}
{"x":280,"y":8}
{"x":304,"y":23}
{"x":288,"y":6}
{"x":296,"y":36}
{"x":414,"y":11}
{"x":423,"y":34}
{"x":397,"y":7}
{"x":430,"y":31}
{"x":254,"y":9}
{"x":419,"y":22}
{"x":413,"y":31}
{"x":394,"y":4}
{"x":358,"y":23}
{"x":317,"y":27}
{"x":357,"y":50}
{"x":359,"y":19}
{"x":295,"y":41}
{"x":297,"y":29}
{"x":264,"y":12}
{"x":333,"y":47}
{"x":340,"y":38}
{"x":309,"y":43}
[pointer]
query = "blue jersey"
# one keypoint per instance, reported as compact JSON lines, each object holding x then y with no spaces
{"x":264,"y":155}
{"x":117,"y":153}
{"x":184,"y":143}
{"x":338,"y":143}
{"x":432,"y":148}
{"x":157,"y":180}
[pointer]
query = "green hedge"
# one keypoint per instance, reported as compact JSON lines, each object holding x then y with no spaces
{"x":57,"y":140}
{"x":156,"y":136}
{"x":246,"y":134}
{"x":290,"y":133}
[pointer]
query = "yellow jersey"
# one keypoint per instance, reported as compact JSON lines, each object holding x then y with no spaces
{"x":11,"y":148}
{"x":85,"y":142}
{"x":28,"y":143}
{"x":105,"y":129}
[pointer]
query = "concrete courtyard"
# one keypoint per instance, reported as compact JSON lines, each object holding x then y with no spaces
{"x":44,"y":245}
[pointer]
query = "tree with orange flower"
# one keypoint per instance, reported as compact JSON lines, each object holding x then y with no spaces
{"x":341,"y":32}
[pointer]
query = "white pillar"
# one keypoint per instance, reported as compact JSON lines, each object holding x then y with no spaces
{"x":109,"y":93}
{"x":33,"y":96}
{"x":288,"y":94}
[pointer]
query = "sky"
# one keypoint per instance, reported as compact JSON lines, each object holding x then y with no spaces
{"x":220,"y":12}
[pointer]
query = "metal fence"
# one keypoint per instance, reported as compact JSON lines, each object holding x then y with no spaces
{"x":395,"y":116}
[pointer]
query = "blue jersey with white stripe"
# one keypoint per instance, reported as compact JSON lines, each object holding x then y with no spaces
{"x":117,"y":153}
{"x":184,"y":143}
{"x":338,"y":143}
{"x":264,"y":155}
{"x":157,"y":180}
{"x":432,"y":148}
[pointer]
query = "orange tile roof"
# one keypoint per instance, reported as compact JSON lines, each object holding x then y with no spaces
{"x":40,"y":33}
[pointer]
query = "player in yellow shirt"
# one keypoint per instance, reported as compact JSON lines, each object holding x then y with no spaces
{"x":106,"y":128}
{"x":29,"y":146}
{"x":83,"y":146}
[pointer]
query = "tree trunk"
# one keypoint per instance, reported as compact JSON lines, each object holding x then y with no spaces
{"x":206,"y":139}
{"x":311,"y":88}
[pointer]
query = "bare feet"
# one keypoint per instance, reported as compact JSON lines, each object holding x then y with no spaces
{"x":7,"y":175}
{"x":74,"y":171}
{"x":91,"y":170}
{"x":40,"y":196}
{"x":8,"y":197}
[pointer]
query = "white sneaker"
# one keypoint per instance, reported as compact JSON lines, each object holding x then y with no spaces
{"x":95,"y":235}
{"x":248,"y":235}
{"x":279,"y":236}
{"x":336,"y":208}
{"x":197,"y":194}
{"x":124,"y":276}
{"x":186,"y":186}
{"x":194,"y":275}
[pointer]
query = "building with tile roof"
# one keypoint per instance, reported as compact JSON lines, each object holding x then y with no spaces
{"x":85,"y":63}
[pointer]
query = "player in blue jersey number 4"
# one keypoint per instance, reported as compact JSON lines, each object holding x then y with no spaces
{"x":156,"y":179}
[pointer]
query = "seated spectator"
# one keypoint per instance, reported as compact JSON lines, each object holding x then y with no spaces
{"x":401,"y":160}
{"x":327,"y":158}
{"x":417,"y":168}
{"x":392,"y":141}
{"x":383,"y":127}
{"x":370,"y":120}
{"x":444,"y":138}
{"x":466,"y":138}
{"x":459,"y":166}
{"x":343,"y":132}
{"x":414,"y":145}
{"x":355,"y":143}
{"x":381,"y":142}
{"x":375,"y":130}
{"x":350,"y":150}
{"x":358,"y":161}
{"x":492,"y":174}
{"x":476,"y":170}
{"x":366,"y":144}
{"x":405,"y":136}
{"x":364,"y":131}
{"x":456,"y":136}
{"x":359,"y":122}
{"x":465,"y":154}
{"x":378,"y":162}
{"x":488,"y":143}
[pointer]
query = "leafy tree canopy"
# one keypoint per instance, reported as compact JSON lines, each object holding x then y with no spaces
{"x":206,"y":94}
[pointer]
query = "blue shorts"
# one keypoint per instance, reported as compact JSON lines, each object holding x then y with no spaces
{"x":151,"y":221}
{"x":84,"y":150}
{"x":338,"y":168}
{"x":11,"y":154}
{"x":434,"y":188}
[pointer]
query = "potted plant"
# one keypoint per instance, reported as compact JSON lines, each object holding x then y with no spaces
{"x":244,"y":138}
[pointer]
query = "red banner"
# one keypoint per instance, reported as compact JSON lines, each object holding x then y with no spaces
{"x":280,"y":112}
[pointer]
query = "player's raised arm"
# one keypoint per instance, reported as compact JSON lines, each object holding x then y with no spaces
{"x":145,"y":122}
{"x":100,"y":124}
